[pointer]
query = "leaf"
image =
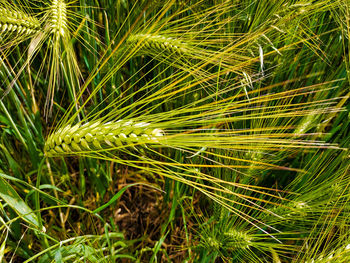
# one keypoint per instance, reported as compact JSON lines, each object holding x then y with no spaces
{"x":58,"y":256}
{"x":74,"y":251}
{"x":157,"y":247}
{"x":11,"y":197}
{"x":2,"y":248}
{"x":117,"y":195}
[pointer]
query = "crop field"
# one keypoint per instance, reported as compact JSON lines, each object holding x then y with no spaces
{"x":175,"y":131}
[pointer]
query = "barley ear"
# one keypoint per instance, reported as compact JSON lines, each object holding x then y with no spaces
{"x":96,"y":136}
{"x":58,"y":22}
{"x":158,"y":43}
{"x":237,"y":239}
{"x":14,"y":22}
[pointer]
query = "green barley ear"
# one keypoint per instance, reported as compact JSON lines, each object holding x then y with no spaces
{"x":178,"y":41}
{"x":158,"y":43}
{"x":58,"y":23}
{"x":99,"y":137}
{"x":170,"y":50}
{"x":186,"y":51}
{"x":228,"y":238}
{"x":16,"y":25}
{"x":54,"y":33}
{"x":237,"y":240}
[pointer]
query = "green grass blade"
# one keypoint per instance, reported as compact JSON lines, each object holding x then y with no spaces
{"x":12,"y":198}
